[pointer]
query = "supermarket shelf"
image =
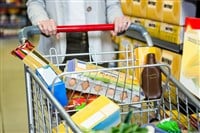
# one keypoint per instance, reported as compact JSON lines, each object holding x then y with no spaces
{"x":12,"y":20}
{"x":11,"y":5}
{"x":157,"y":42}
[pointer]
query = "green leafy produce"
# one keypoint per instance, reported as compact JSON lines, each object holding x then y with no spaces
{"x":124,"y":127}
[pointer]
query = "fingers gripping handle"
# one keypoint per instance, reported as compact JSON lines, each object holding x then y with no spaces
{"x":33,"y":30}
{"x":85,"y":28}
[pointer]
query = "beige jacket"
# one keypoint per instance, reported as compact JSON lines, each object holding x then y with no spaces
{"x":96,"y":12}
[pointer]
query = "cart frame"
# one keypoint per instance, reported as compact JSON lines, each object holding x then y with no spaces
{"x":31,"y":79}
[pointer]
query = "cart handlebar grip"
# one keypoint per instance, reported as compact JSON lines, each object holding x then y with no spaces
{"x":32,"y":30}
{"x":85,"y":28}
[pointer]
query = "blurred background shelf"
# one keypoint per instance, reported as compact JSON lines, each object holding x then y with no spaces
{"x":12,"y":17}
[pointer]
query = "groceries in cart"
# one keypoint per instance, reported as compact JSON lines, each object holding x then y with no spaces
{"x":92,"y":79}
{"x":46,"y":71}
{"x":103,"y":115}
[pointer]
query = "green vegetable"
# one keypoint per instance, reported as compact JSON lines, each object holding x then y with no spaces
{"x":169,"y":126}
{"x":124,"y":127}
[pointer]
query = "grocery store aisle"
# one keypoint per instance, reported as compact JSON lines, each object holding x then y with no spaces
{"x":13,"y":111}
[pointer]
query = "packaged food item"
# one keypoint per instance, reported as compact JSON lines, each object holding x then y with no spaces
{"x":47,"y":76}
{"x":100,"y":114}
{"x":171,"y":33}
{"x":190,"y":63}
{"x":116,"y":77}
{"x":154,"y":10}
{"x":175,"y":11}
{"x":139,"y":8}
{"x":89,"y":87}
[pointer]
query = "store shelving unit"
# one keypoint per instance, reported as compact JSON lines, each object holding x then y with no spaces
{"x":157,"y":42}
{"x":12,"y":18}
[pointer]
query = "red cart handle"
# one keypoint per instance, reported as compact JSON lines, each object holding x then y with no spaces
{"x":85,"y":28}
{"x":32,"y":30}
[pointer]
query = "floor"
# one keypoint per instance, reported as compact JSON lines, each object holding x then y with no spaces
{"x":13,"y":109}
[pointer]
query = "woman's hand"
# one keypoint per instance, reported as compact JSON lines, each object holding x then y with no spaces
{"x":48,"y":27}
{"x":121,"y":25}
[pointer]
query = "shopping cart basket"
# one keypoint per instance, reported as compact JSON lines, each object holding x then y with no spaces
{"x":45,"y":113}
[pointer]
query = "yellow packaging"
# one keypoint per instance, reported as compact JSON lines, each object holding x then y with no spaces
{"x":112,"y":77}
{"x":126,"y":45}
{"x":32,"y":61}
{"x":139,"y":8}
{"x":140,"y":57}
{"x":97,"y":112}
{"x":153,"y":27}
{"x":116,"y":39}
{"x":172,"y":95}
{"x":137,"y":43}
{"x":35,"y":60}
{"x":100,"y":114}
{"x":175,"y":11}
{"x":137,"y":20}
{"x":190,"y":66}
{"x":154,"y":10}
{"x":127,"y":7}
{"x":173,"y":60}
{"x":171,"y":33}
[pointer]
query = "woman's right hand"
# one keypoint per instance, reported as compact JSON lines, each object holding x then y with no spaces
{"x":48,"y":27}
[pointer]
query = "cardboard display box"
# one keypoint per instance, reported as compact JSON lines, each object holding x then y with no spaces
{"x":190,"y":66}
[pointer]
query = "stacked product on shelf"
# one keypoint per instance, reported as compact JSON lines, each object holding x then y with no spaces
{"x":164,"y":20}
{"x":12,"y":17}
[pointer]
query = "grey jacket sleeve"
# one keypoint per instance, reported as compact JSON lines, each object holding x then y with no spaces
{"x":36,"y":11}
{"x":113,"y":8}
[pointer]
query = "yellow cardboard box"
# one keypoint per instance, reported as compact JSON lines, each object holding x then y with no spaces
{"x":175,"y":11}
{"x":100,"y":114}
{"x":190,"y":66}
{"x":127,"y":7}
{"x":137,"y":20}
{"x":139,"y":8}
{"x":173,"y":60}
{"x":171,"y":33}
{"x":153,"y":27}
{"x":154,"y":10}
{"x":125,"y":47}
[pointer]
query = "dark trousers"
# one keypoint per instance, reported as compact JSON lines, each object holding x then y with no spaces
{"x":77,"y":42}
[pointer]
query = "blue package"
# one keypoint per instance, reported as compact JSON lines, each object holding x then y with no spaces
{"x":111,"y":121}
{"x":47,"y":75}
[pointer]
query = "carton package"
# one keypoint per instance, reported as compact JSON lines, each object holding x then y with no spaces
{"x":47,"y":76}
{"x":127,"y":7}
{"x":92,"y":79}
{"x":154,"y":10}
{"x":125,"y":48}
{"x":112,"y":77}
{"x":139,"y":8}
{"x":44,"y":69}
{"x":173,"y":60}
{"x":138,"y":20}
{"x":175,"y":11}
{"x":100,"y":114}
{"x":137,"y":43}
{"x":190,"y":66}
{"x":32,"y":58}
{"x":171,"y":33}
{"x":153,"y":27}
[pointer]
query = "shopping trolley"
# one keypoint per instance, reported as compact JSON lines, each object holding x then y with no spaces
{"x":45,"y":113}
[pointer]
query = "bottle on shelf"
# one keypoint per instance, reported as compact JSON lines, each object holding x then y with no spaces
{"x":151,"y":79}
